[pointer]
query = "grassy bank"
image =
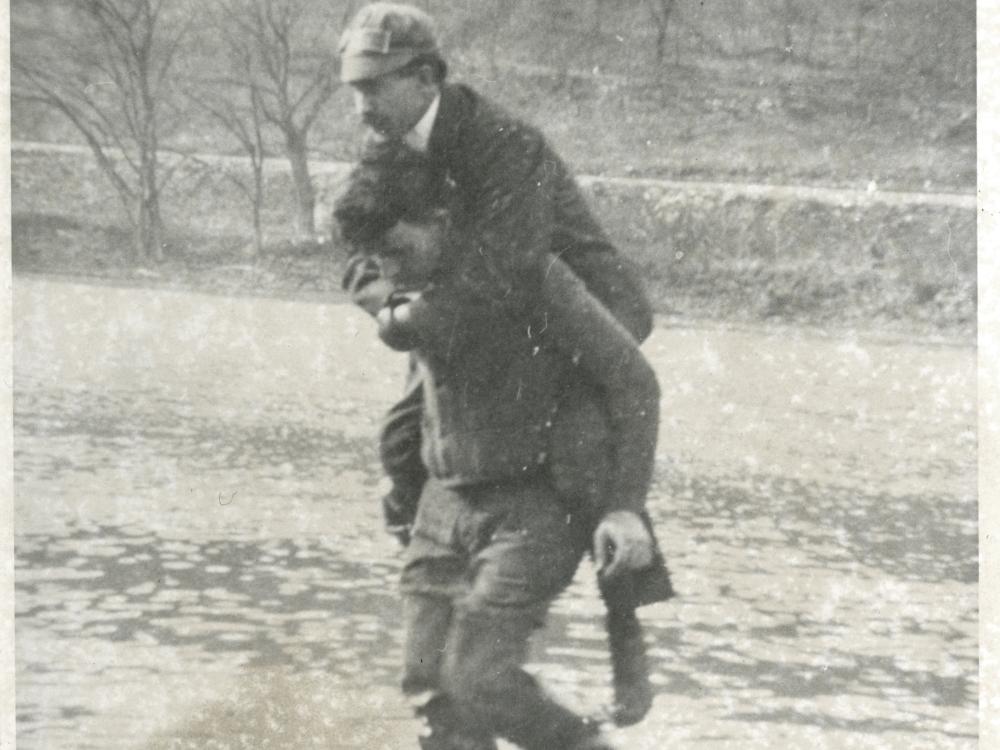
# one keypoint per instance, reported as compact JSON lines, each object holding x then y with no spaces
{"x":755,"y":122}
{"x":704,"y":254}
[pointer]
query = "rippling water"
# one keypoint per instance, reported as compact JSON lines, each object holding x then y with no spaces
{"x":200,"y":561}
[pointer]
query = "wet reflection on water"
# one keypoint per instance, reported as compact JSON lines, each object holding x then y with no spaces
{"x":284,"y":602}
{"x":176,"y":525}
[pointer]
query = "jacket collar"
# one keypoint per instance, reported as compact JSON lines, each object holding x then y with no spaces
{"x":419,"y":137}
{"x":456,"y":108}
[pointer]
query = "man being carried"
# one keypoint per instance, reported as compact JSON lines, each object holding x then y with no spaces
{"x":493,"y":441}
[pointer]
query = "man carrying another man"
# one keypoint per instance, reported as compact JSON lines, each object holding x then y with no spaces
{"x":490,"y":548}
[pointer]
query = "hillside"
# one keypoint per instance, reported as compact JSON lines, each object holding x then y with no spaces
{"x":789,"y":91}
{"x":864,"y":95}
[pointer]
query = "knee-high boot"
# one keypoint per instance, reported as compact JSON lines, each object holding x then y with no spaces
{"x":445,"y":730}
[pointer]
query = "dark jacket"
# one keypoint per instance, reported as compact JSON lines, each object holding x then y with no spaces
{"x":511,"y":403}
{"x":519,"y":203}
{"x":495,"y":406}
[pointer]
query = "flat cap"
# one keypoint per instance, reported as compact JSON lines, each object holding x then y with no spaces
{"x":384,"y":37}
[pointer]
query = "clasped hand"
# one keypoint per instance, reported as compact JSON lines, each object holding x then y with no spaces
{"x":621,"y":543}
{"x":396,"y":325}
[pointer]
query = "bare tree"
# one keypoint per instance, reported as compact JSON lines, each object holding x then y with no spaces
{"x":788,"y":26}
{"x":595,"y":33}
{"x":109,"y":74}
{"x":244,"y":121}
{"x":792,"y":15}
{"x":289,"y":57}
{"x":660,"y":11}
{"x":558,"y":20}
{"x":233,"y":100}
{"x":481,"y":27}
{"x":863,"y":9}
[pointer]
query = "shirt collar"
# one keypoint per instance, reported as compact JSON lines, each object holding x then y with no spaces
{"x":419,"y":137}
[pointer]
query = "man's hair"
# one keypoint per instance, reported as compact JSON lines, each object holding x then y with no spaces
{"x":392,"y":183}
{"x":434,"y":60}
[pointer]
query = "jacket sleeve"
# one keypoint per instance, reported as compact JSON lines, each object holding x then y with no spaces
{"x":508,"y":217}
{"x":583,"y":330}
{"x":375,"y":295}
{"x":615,"y":281}
{"x":444,"y":320}
{"x":519,"y":201}
{"x":365,"y":285}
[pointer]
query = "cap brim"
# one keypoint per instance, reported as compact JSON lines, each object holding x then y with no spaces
{"x":363,"y":66}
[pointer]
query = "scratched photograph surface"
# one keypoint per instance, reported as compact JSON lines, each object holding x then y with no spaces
{"x":204,"y":553}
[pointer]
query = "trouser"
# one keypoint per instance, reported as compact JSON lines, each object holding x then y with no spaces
{"x":482,"y":569}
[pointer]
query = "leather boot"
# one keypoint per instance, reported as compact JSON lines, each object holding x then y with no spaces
{"x":444,"y":730}
{"x":596,"y":740}
{"x":630,"y":668}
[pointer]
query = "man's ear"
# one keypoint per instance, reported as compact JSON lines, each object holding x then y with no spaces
{"x":427,"y":76}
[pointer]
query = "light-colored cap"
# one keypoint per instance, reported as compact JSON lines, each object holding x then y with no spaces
{"x":384,"y":37}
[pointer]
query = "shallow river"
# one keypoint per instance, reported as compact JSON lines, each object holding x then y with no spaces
{"x":200,"y":561}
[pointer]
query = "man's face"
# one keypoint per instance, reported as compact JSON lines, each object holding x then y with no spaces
{"x":392,"y":104}
{"x":410,"y":252}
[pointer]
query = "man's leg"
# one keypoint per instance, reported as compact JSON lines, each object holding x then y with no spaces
{"x":427,"y":620}
{"x":435,"y":573}
{"x":484,"y":674}
{"x":630,"y":667}
{"x":525,"y":554}
{"x":399,"y":448}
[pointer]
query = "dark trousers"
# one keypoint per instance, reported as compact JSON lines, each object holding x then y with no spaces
{"x":482,"y":570}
